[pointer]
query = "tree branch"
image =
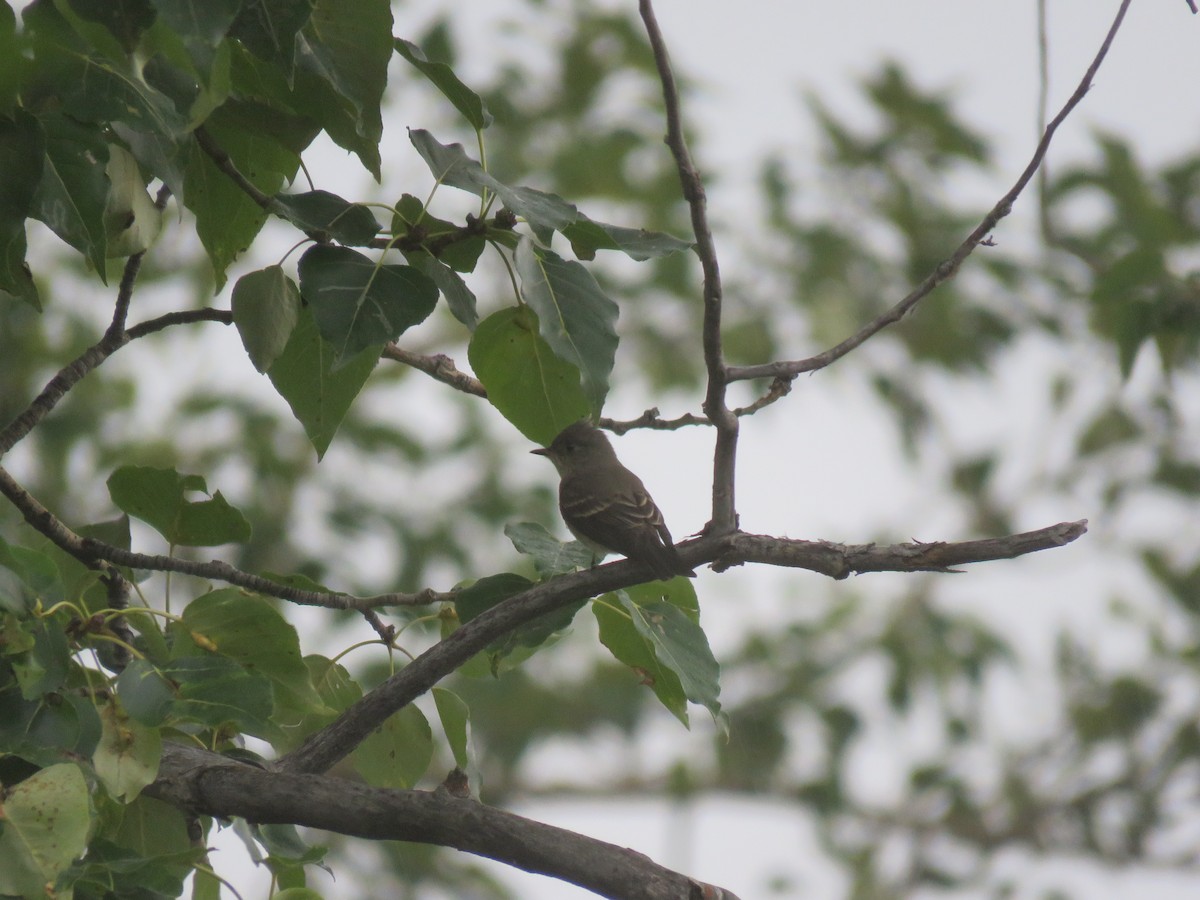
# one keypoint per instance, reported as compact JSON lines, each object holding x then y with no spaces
{"x":223,"y":161}
{"x":203,"y":782}
{"x":98,"y":554}
{"x":439,"y":366}
{"x":947,"y":269}
{"x":332,"y":743}
{"x":724,"y":511}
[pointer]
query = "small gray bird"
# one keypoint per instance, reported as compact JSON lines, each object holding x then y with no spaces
{"x":606,"y":506}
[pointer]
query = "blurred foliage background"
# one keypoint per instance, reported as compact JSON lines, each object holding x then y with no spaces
{"x":419,"y":482}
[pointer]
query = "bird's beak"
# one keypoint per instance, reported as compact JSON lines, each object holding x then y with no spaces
{"x":541,"y":451}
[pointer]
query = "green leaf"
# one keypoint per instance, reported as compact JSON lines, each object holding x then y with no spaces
{"x":49,"y":729}
{"x":12,"y":61}
{"x":358,"y":302}
{"x":227,"y":220}
{"x":459,"y":297}
{"x":628,"y":646}
{"x":201,"y":23}
{"x":127,"y":757}
{"x":46,"y":822}
{"x":330,"y":216}
{"x":494,"y":589}
{"x":146,"y":694}
{"x":456,"y":723}
{"x":37,"y":573}
{"x":156,"y":496}
{"x":450,"y":165}
{"x":93,"y":86}
{"x":44,"y":667}
{"x":397,"y":753}
{"x":266,"y":307}
{"x":587,"y":236}
{"x":576,"y":318}
{"x":248,"y":629}
{"x":658,"y":635}
{"x":681,"y":645}
{"x":487,"y":592}
{"x":304,"y":376}
{"x":215,"y":691}
{"x":73,"y":191}
{"x":534,"y":389}
{"x":22,"y":151}
{"x":465,"y":100}
{"x":269,"y":27}
{"x":550,"y":556}
{"x":350,"y":52}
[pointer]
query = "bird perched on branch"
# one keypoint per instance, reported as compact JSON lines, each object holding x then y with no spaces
{"x":606,"y":506}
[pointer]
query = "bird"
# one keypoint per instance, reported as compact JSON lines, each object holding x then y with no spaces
{"x":606,"y":506}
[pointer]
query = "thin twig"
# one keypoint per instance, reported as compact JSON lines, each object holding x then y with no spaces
{"x":724,"y":511}
{"x":948,"y":268}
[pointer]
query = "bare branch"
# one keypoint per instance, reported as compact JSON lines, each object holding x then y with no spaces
{"x":842,"y":560}
{"x":73,"y":372}
{"x":100,"y":555}
{"x":203,"y":782}
{"x":439,"y":366}
{"x":947,"y":269}
{"x":331,"y":744}
{"x":724,"y":512}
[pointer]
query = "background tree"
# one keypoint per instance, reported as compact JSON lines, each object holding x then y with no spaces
{"x":213,"y":108}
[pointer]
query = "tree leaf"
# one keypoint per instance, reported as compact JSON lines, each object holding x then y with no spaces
{"x":92,"y":87}
{"x":681,"y":645}
{"x":305,"y":376}
{"x":250,"y":631}
{"x":320,"y":211}
{"x":127,"y":757}
{"x":266,"y":307}
{"x":397,"y":753}
{"x":22,"y":150}
{"x":358,"y":302}
{"x":156,"y":496}
{"x":550,"y":556}
{"x":459,"y":298}
{"x":269,"y":27}
{"x":654,"y":628}
{"x":46,"y":822}
{"x":536,"y":391}
{"x":575,"y":316}
{"x":587,"y":236}
{"x":627,"y":645}
{"x":227,"y":220}
{"x":455,"y":716}
{"x":450,"y":165}
{"x":465,"y":100}
{"x":350,"y":53}
{"x":73,"y":190}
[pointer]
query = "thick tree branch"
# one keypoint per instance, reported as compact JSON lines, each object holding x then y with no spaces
{"x":205,"y":783}
{"x":947,"y":269}
{"x":326,"y":747}
{"x":724,"y":511}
